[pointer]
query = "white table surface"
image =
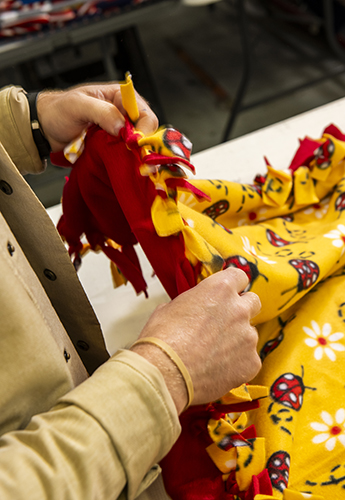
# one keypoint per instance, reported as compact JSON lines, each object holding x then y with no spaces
{"x":120,"y":311}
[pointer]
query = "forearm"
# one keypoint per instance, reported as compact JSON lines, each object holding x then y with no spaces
{"x":62,"y":454}
{"x":101,"y":437}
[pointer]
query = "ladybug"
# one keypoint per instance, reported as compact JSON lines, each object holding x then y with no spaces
{"x":278,"y":467}
{"x":276,"y":240}
{"x":288,"y":218}
{"x":308,"y":273}
{"x":340,"y":202}
{"x":257,"y":188}
{"x":271,"y":345}
{"x":217,"y":209}
{"x":288,"y":390}
{"x":323,"y":154}
{"x":249,"y":268}
{"x":231,"y":440}
{"x":177,"y":143}
{"x":259,"y":180}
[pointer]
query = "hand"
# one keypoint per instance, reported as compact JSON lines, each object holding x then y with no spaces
{"x":210,"y":328}
{"x":63,"y":115}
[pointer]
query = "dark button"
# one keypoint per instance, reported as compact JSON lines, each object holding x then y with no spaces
{"x":49,"y":274}
{"x":10,"y":248}
{"x":67,"y":355}
{"x":83,"y":345}
{"x":5,"y":187}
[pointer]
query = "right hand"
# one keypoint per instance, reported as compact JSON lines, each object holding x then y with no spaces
{"x":210,"y":328}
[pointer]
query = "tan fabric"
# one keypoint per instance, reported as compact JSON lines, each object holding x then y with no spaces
{"x":60,"y":440}
{"x":26,"y":313}
{"x":155,"y":491}
{"x":38,"y":238}
{"x":101,"y":438}
{"x":15,"y":123}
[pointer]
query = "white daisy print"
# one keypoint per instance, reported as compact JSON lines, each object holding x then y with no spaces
{"x":187,"y":199}
{"x":338,"y":237}
{"x":318,"y":209}
{"x":247,"y":247}
{"x":331,"y":429}
{"x":253,"y":216}
{"x":323,"y":340}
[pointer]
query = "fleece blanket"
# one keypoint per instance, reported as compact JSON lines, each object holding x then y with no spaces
{"x":282,"y":436}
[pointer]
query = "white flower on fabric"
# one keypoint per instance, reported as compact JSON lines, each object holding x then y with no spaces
{"x":318,"y":209}
{"x":190,"y":222}
{"x":247,"y":247}
{"x":331,"y":430}
{"x":262,"y":210}
{"x":187,"y":199}
{"x":338,"y":237}
{"x":252,"y":217}
{"x":323,"y":340}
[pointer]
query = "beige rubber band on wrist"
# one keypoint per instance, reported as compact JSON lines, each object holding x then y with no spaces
{"x":169,"y":351}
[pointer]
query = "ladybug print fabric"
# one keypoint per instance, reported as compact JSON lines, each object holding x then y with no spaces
{"x":287,"y":232}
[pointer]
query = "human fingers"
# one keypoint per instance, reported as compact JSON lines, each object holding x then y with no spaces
{"x":235,"y":277}
{"x":147,"y":122}
{"x":253,"y":301}
{"x":64,"y":115}
{"x":103,"y":106}
{"x":101,"y":112}
{"x":209,"y":327}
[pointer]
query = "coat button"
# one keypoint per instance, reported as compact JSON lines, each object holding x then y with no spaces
{"x":10,"y":248}
{"x":5,"y":187}
{"x":66,"y":355}
{"x":49,"y":274}
{"x":83,"y":345}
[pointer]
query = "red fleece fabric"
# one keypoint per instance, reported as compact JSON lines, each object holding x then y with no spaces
{"x":188,"y":471}
{"x":107,"y":197}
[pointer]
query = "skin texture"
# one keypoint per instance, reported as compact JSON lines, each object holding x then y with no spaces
{"x":63,"y":115}
{"x":210,"y":326}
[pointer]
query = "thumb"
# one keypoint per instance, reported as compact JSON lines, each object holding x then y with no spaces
{"x":147,"y":123}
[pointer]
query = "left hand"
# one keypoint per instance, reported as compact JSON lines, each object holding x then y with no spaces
{"x":63,"y":115}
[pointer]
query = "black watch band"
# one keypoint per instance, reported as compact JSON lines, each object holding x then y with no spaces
{"x":41,"y":142}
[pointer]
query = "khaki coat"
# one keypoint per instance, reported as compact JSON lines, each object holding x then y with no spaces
{"x":64,"y":434}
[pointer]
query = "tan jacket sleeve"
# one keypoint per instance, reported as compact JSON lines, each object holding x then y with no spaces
{"x":101,"y":439}
{"x":15,"y":130}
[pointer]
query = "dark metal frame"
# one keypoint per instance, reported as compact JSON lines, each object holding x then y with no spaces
{"x":243,"y":25}
{"x":123,"y":26}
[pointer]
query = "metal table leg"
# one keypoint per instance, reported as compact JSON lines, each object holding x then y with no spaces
{"x":241,"y":91}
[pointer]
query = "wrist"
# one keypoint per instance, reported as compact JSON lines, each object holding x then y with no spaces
{"x":171,"y":374}
{"x":38,"y":136}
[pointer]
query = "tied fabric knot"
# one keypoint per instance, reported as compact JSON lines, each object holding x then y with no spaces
{"x":81,"y":215}
{"x":154,"y":166}
{"x":286,"y":230}
{"x":216,"y":437}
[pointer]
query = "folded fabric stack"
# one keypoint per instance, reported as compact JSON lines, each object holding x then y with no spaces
{"x":23,"y":17}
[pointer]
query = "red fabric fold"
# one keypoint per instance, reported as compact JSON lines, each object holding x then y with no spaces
{"x":188,"y":471}
{"x":107,"y":197}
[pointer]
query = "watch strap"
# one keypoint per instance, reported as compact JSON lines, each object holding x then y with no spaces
{"x":41,"y":142}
